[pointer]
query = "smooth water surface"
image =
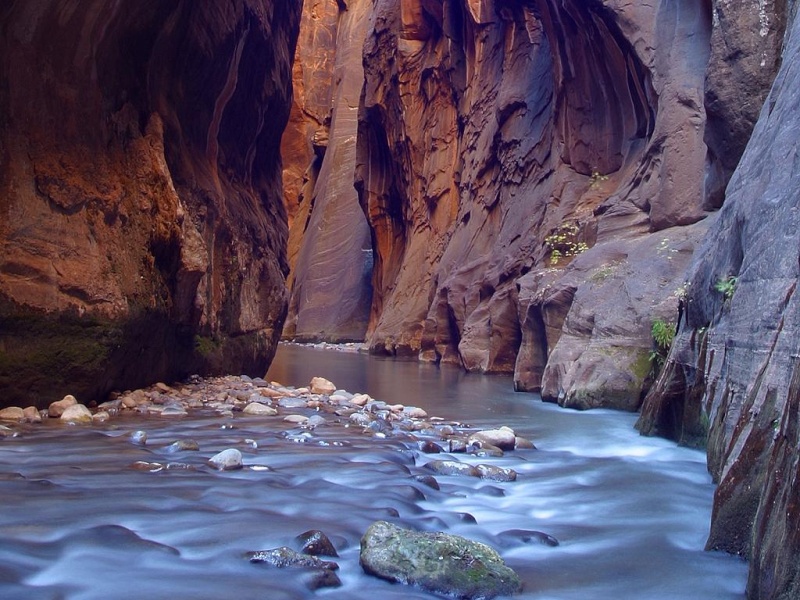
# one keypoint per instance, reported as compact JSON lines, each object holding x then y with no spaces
{"x":631,"y":513}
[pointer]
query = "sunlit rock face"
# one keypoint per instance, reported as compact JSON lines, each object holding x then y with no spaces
{"x":495,"y":133}
{"x":330,"y":249}
{"x":733,"y":375}
{"x":141,"y":220}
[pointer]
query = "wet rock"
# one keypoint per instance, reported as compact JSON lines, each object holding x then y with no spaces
{"x":152,"y":467}
{"x":32,"y":414}
{"x":360,"y":399}
{"x":291,"y":402}
{"x":436,"y":562}
{"x":428,"y":480}
{"x":101,"y":416}
{"x":76,"y":413}
{"x":316,"y":543}
{"x":182,"y":445}
{"x":522,"y":443}
{"x":502,"y":438}
{"x":227,"y":460}
{"x":315,"y":421}
{"x":360,"y":419}
{"x":138,"y":437}
{"x":324,"y":578}
{"x":457,"y":445}
{"x":429,"y":447}
{"x":320,"y":385}
{"x":452,"y":467}
{"x":12,"y":413}
{"x":493,"y":473}
{"x":257,"y":409}
{"x":299,"y":419}
{"x":414,"y":412}
{"x":174,"y":410}
{"x":56,"y":409}
{"x":286,"y":557}
{"x":483,"y":449}
{"x":526,"y":536}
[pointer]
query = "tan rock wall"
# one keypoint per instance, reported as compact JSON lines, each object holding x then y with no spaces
{"x":141,"y":189}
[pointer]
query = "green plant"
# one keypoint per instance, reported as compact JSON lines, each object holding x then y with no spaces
{"x":727,"y":286}
{"x":563,"y":242}
{"x":596,"y":179}
{"x":663,"y":333}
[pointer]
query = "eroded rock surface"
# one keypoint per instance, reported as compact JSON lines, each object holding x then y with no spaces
{"x":732,"y":377}
{"x":141,"y":221}
{"x":329,"y":246}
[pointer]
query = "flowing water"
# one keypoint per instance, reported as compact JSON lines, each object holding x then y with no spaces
{"x":631,"y":513}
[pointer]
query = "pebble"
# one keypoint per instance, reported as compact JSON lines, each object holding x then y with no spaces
{"x":139,"y":438}
{"x":255,"y":408}
{"x":320,"y":385}
{"x":12,"y":413}
{"x":56,"y":409}
{"x":32,"y":414}
{"x":299,"y":419}
{"x":182,"y":445}
{"x":227,"y":460}
{"x":76,"y":413}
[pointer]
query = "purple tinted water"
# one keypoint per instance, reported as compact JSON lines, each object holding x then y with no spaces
{"x":631,"y":513}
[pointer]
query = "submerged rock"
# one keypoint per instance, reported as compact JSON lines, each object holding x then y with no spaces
{"x":227,"y":460}
{"x":436,"y":562}
{"x":286,"y":557}
{"x":316,"y":543}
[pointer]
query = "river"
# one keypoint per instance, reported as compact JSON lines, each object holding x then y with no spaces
{"x":631,"y":513}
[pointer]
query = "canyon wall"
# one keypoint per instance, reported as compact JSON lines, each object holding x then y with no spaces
{"x":733,"y":373}
{"x":329,"y":245}
{"x":142,"y":225}
{"x":536,"y":176}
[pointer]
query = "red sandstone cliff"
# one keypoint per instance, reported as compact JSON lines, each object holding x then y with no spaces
{"x":535,"y":176}
{"x":142,"y":226}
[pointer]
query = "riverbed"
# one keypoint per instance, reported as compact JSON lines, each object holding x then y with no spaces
{"x":631,"y":514}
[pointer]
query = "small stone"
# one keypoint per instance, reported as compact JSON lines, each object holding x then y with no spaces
{"x":360,"y":419}
{"x":101,"y":416}
{"x":258,"y":409}
{"x":227,"y":460}
{"x":320,"y":385}
{"x":291,"y":402}
{"x":139,"y":438}
{"x":152,"y":467}
{"x":493,"y":473}
{"x":323,"y":578}
{"x":428,"y":480}
{"x":429,"y":447}
{"x":56,"y":409}
{"x":286,"y":557}
{"x":183,"y":445}
{"x":502,"y":438}
{"x":315,"y":421}
{"x":174,"y":410}
{"x":163,"y":387}
{"x":360,"y":399}
{"x":316,"y":543}
{"x":414,"y":412}
{"x":299,"y":419}
{"x":76,"y":413}
{"x":32,"y":414}
{"x":522,"y":443}
{"x":12,"y":413}
{"x":452,"y":467}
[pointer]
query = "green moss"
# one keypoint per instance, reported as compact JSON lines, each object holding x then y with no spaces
{"x":641,"y":366}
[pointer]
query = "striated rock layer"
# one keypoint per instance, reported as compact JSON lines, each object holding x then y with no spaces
{"x":141,"y":221}
{"x":733,"y":374}
{"x":329,"y":245}
{"x":534,"y":175}
{"x":496,"y":142}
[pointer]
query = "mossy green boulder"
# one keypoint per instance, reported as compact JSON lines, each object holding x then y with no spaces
{"x":436,"y":562}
